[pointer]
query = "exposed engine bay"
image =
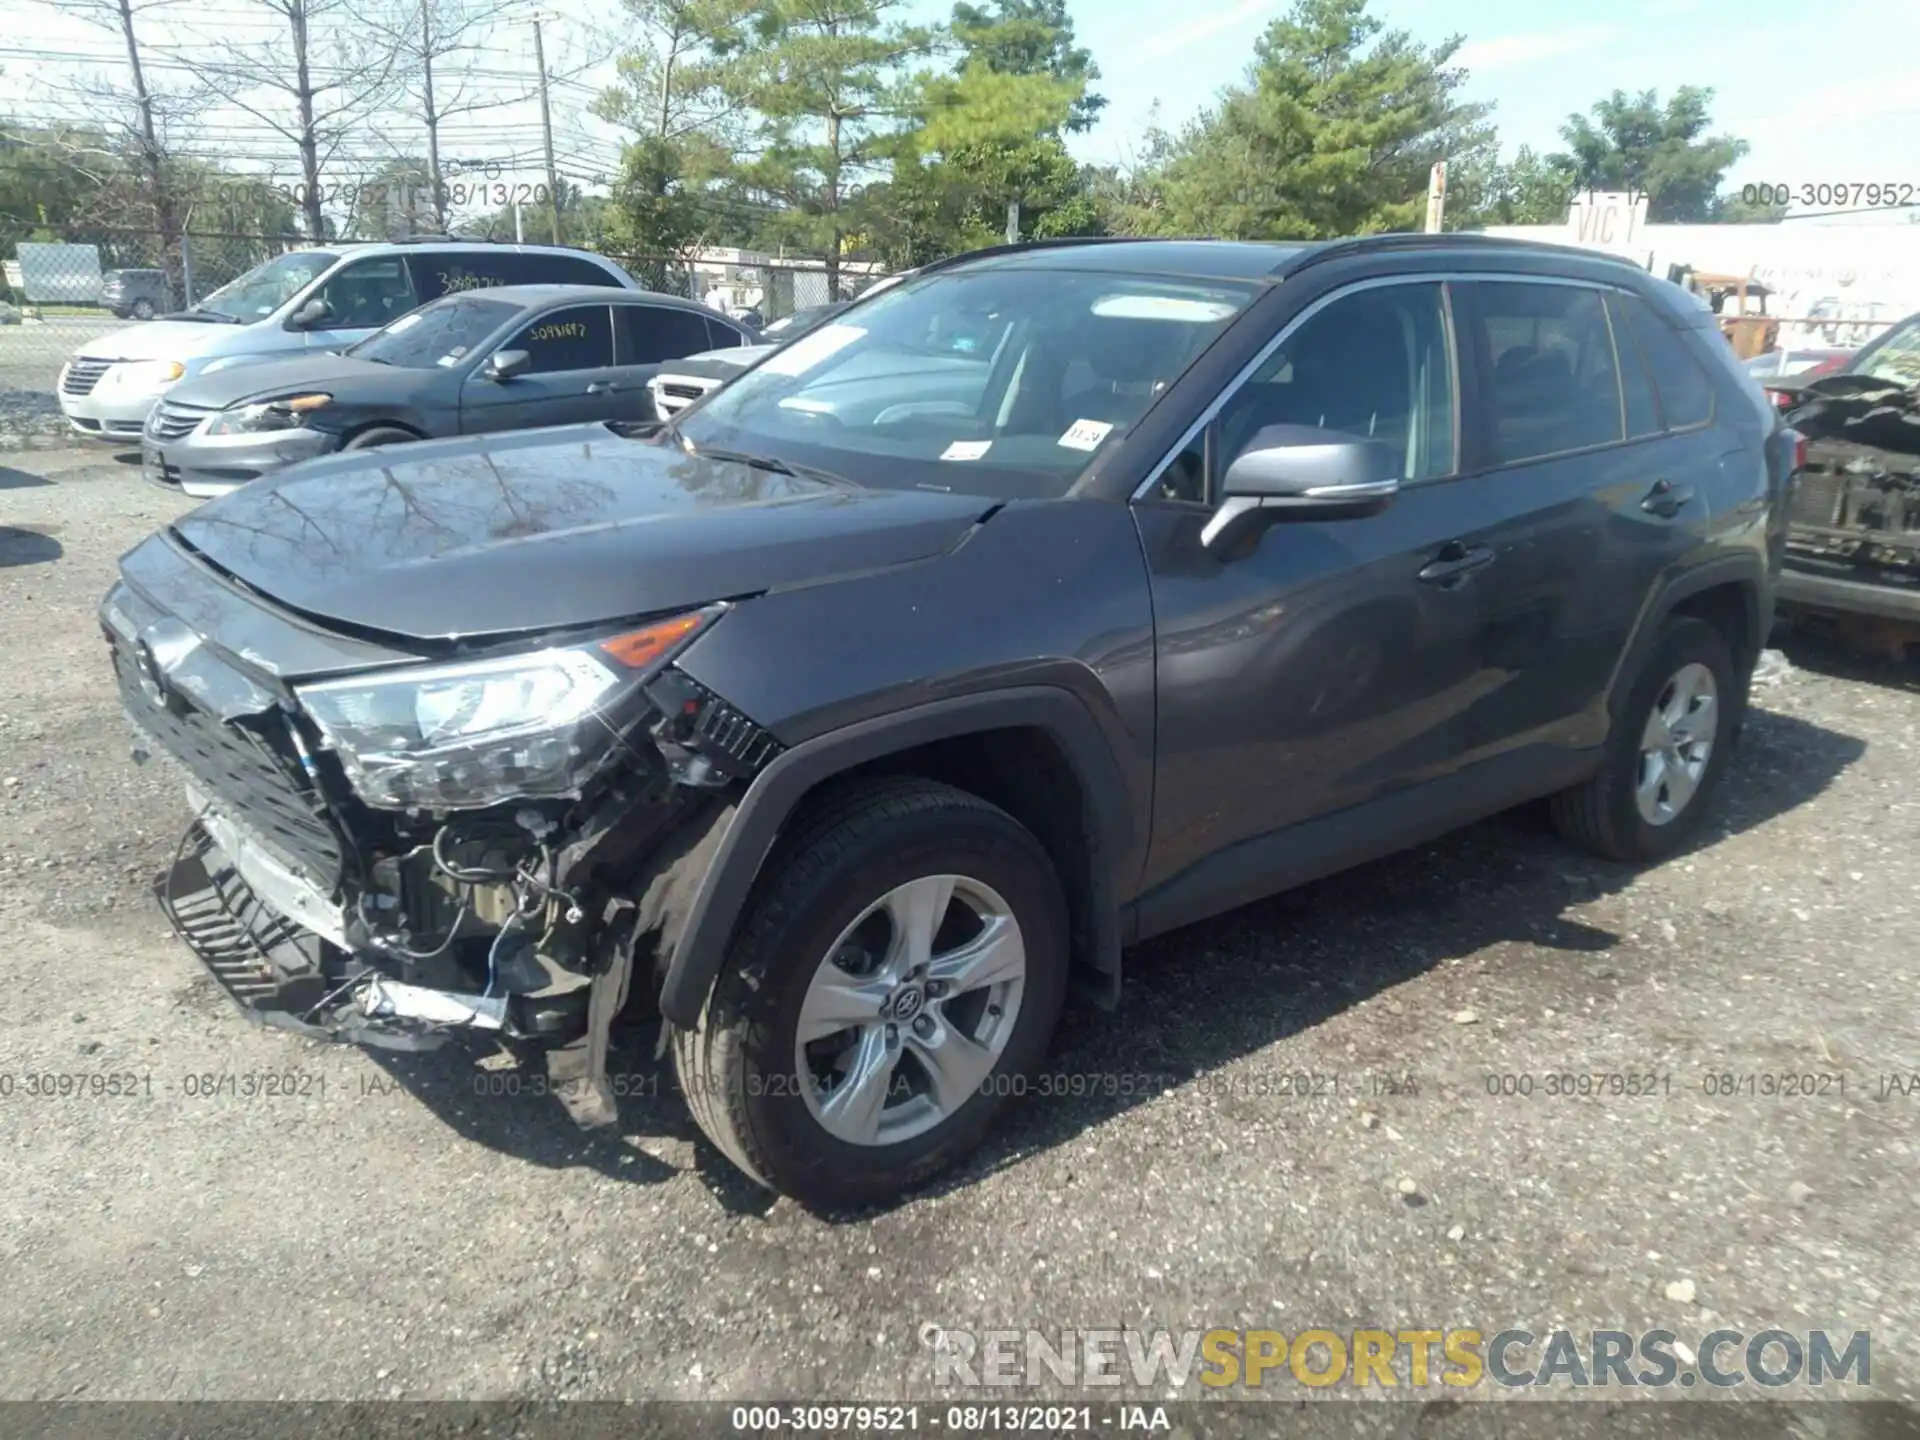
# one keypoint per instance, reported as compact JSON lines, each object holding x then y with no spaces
{"x":399,"y":926}
{"x":1858,"y":498}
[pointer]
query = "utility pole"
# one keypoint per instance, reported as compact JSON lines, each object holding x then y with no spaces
{"x":433,"y":120}
{"x":1436,"y":197}
{"x":546,"y":135}
{"x":1013,"y":222}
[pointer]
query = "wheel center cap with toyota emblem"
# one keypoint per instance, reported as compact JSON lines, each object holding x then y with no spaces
{"x":907,"y":1003}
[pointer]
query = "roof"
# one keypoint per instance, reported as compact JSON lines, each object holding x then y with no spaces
{"x":1250,"y":259}
{"x":549,"y":293}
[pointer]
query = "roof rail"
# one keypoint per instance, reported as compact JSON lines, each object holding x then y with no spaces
{"x":1445,"y":240}
{"x":1056,"y":243}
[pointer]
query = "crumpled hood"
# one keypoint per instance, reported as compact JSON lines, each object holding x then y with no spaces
{"x":534,"y":530}
{"x":158,"y":340}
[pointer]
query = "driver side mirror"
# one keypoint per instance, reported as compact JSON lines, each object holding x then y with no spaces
{"x":1301,"y":472}
{"x":505,"y":364}
{"x":311,"y":314}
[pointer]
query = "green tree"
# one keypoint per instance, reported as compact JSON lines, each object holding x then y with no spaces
{"x":1530,"y":189}
{"x":824,"y":78}
{"x":1031,"y":37}
{"x":1333,"y":132}
{"x":1634,"y":143}
{"x":989,"y":134}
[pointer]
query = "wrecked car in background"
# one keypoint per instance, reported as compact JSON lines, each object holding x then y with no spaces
{"x":1853,"y":533}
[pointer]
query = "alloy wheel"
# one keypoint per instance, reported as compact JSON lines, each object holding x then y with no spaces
{"x":910,"y":1010}
{"x":1677,"y":743}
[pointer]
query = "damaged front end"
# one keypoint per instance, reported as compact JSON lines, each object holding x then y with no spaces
{"x":487,"y":842}
{"x":1853,"y":521}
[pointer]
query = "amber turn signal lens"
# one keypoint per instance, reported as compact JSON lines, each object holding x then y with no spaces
{"x":638,"y":649}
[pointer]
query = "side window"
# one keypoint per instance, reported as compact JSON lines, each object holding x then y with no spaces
{"x":367,"y":294}
{"x":652,"y":333}
{"x":1547,"y":370}
{"x":1186,"y":478}
{"x":578,"y":338}
{"x":1376,"y":363}
{"x":565,"y":270}
{"x":721,"y":336}
{"x":1643,"y":415}
{"x":1686,"y":395}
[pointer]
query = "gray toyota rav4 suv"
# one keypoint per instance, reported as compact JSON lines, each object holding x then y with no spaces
{"x":1060,"y":596}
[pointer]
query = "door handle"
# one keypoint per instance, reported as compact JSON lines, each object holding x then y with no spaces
{"x":1666,"y":499}
{"x":602,"y":387}
{"x":1455,"y":562}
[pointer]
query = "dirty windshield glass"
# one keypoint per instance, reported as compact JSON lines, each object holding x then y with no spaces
{"x":1002,"y":381}
{"x":441,"y":334}
{"x":265,"y":288}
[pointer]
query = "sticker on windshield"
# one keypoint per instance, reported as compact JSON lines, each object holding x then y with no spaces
{"x":1086,"y":434}
{"x":404,"y":323}
{"x":966,"y":450}
{"x":809,"y":350}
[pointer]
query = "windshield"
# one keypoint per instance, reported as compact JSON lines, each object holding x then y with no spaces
{"x":1897,"y":358}
{"x":265,"y":288}
{"x":443,"y":333}
{"x":1002,"y":381}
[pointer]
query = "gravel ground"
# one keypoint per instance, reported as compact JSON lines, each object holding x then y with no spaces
{"x":388,"y":1232}
{"x":31,"y":354}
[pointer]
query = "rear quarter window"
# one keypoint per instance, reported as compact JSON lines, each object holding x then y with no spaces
{"x":1686,"y":393}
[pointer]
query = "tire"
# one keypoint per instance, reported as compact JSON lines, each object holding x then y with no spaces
{"x":1605,"y":814}
{"x":749,"y":1083}
{"x":379,"y":435}
{"x":143,"y":310}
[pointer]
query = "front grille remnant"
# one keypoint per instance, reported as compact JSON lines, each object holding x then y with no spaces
{"x":240,"y":773}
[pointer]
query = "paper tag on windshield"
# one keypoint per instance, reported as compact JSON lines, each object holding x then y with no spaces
{"x":1086,"y":434}
{"x":966,"y":450}
{"x":809,"y":350}
{"x":404,"y":323}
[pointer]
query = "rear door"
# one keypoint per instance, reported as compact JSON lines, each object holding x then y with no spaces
{"x":645,"y":337}
{"x":570,"y":375}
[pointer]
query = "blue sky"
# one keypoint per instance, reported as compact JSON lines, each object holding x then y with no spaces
{"x":1818,"y":99}
{"x":1815,"y":101}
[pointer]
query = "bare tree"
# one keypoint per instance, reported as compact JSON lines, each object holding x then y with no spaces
{"x":312,"y":85}
{"x":133,"y":117}
{"x":435,"y":43}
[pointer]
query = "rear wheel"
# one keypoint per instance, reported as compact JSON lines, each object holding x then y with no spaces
{"x":898,"y":974}
{"x":379,"y":435}
{"x":1668,"y":747}
{"x":143,"y":309}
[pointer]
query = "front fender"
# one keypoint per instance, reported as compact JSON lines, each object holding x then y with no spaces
{"x":701,"y":946}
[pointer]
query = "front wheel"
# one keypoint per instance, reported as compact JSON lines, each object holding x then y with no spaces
{"x":895,"y":982}
{"x":1665,"y":755}
{"x":379,"y":435}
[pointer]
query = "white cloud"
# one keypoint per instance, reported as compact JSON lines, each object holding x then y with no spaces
{"x":1508,"y":50}
{"x":1180,"y":39}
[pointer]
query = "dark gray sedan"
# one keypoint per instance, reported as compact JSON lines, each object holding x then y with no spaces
{"x":511,"y":358}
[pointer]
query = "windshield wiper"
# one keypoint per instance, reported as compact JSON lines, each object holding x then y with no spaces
{"x":760,"y":462}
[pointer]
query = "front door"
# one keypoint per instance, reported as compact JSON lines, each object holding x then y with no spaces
{"x":1334,"y":663}
{"x":361,"y":297}
{"x":570,"y":375}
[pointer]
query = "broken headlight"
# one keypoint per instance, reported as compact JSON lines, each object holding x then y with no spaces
{"x":484,"y":732}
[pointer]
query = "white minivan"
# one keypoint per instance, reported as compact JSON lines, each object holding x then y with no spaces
{"x":304,"y":301}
